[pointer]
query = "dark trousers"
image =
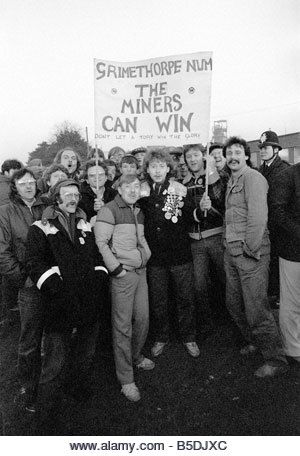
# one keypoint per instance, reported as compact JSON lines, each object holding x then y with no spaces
{"x":78,"y":346}
{"x":9,"y":298}
{"x":181,"y":279}
{"x":29,"y":350}
{"x":273,"y":289}
{"x":208,"y":260}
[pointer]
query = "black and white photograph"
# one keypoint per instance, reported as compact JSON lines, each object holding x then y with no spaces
{"x":150,"y":227}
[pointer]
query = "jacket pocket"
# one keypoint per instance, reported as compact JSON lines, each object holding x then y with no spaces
{"x":237,"y":188}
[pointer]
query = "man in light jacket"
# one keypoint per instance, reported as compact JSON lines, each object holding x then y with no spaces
{"x":247,"y":257}
{"x":119,"y":232}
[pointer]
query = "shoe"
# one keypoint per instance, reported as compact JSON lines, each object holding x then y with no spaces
{"x":267,"y":370}
{"x":192,"y":349}
{"x":25,"y":400}
{"x":131,"y":391}
{"x":146,"y":364}
{"x":248,"y":349}
{"x":158,"y":348}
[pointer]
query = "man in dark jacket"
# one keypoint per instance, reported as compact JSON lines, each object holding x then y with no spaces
{"x":168,"y":214}
{"x":63,"y":261}
{"x":9,"y":294}
{"x":206,"y":231}
{"x":285,"y":217}
{"x":7,"y":169}
{"x":271,"y":168}
{"x":15,"y":219}
{"x":92,"y":199}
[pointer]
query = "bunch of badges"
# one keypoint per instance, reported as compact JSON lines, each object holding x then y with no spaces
{"x":172,"y":207}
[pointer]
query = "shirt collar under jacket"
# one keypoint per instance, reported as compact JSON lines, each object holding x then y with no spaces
{"x":191,"y":176}
{"x":234,"y":177}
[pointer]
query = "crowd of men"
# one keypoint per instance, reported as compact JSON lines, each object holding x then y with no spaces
{"x":135,"y":232}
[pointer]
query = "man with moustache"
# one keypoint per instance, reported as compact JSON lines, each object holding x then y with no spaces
{"x":64,"y":263}
{"x":247,"y":256}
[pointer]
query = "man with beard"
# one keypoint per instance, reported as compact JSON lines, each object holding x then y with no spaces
{"x":247,"y":256}
{"x":65,"y":265}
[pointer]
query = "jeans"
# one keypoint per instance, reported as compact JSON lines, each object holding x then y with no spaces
{"x":130,"y":321}
{"x":182,"y":280}
{"x":247,"y":302}
{"x":208,"y":257}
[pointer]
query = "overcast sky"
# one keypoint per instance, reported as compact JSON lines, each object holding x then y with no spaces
{"x":48,"y":47}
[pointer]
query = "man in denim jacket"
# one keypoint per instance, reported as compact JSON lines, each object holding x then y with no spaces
{"x":247,"y":257}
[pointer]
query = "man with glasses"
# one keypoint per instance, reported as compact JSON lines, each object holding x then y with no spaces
{"x":65,"y":265}
{"x":15,"y":219}
{"x":95,"y":190}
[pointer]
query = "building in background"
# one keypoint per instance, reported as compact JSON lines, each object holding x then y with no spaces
{"x":219,"y":131}
{"x":290,"y":152}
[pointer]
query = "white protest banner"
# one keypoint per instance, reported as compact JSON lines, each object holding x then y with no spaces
{"x":161,"y":101}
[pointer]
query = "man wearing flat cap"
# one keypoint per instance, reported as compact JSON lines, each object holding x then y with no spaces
{"x":271,"y":168}
{"x":139,"y":153}
{"x":63,"y":261}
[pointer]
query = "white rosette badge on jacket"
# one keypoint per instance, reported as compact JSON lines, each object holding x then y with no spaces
{"x":173,"y":204}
